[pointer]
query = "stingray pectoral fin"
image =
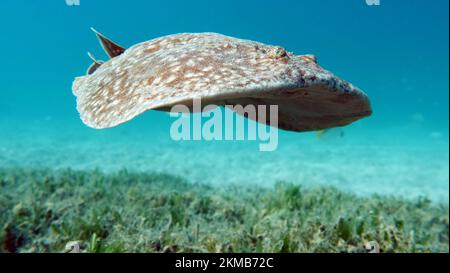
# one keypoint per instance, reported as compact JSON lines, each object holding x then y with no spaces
{"x":111,"y":48}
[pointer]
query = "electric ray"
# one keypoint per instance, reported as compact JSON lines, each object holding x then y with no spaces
{"x":220,"y":70}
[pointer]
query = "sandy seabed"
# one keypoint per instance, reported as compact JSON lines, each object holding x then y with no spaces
{"x":362,"y":165}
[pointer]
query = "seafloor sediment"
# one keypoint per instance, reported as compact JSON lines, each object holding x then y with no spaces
{"x":41,"y":210}
{"x":407,"y":163}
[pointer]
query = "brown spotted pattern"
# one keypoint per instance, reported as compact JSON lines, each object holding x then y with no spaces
{"x":177,"y":68}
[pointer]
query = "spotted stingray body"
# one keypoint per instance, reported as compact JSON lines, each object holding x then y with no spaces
{"x":221,"y":70}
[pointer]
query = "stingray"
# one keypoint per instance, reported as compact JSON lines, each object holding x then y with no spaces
{"x":219,"y":70}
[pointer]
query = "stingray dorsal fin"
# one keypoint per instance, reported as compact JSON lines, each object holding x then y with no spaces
{"x":111,"y":48}
{"x":94,"y":66}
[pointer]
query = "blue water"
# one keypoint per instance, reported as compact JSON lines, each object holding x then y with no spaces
{"x":396,"y":52}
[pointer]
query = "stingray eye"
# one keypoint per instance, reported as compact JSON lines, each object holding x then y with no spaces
{"x":309,"y":58}
{"x":277,"y":52}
